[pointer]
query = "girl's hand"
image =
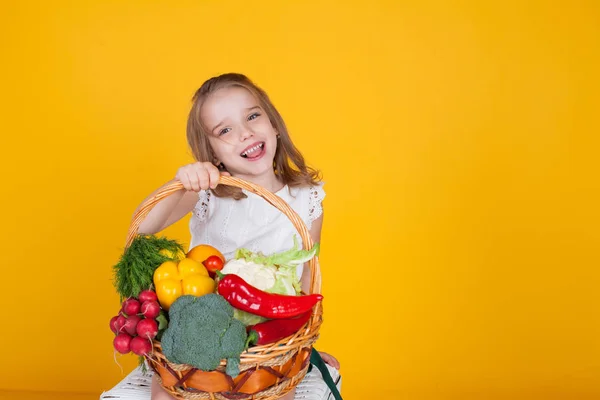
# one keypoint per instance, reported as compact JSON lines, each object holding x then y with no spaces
{"x":198,"y":176}
{"x":329,"y":359}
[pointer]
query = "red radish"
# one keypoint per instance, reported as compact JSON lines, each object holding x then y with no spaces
{"x":140,"y":346}
{"x":150,"y":309}
{"x":147,"y":295}
{"x":131,"y":306}
{"x":122,"y":343}
{"x":113,"y":324}
{"x":120,"y":322}
{"x":131,"y":324}
{"x":147,"y":328}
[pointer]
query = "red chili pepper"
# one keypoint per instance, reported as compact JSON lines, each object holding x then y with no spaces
{"x":246,"y":297}
{"x":276,"y":329}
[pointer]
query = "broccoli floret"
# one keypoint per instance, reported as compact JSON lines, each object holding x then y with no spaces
{"x":232,"y":347}
{"x":202,"y":332}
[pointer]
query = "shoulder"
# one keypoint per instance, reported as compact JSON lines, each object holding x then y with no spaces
{"x":207,"y":203}
{"x":317,"y":192}
{"x":203,"y":200}
{"x":314,"y":191}
{"x":315,"y":201}
{"x":308,"y":200}
{"x":314,"y":194}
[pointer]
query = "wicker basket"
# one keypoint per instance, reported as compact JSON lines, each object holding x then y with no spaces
{"x":267,"y":372}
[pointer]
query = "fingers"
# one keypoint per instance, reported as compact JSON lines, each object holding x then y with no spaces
{"x":183,"y":177}
{"x":198,"y":176}
{"x":213,"y":174}
{"x":329,"y":359}
{"x":201,"y":175}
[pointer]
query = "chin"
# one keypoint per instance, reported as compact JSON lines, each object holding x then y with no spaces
{"x":261,"y":171}
{"x":258,"y":162}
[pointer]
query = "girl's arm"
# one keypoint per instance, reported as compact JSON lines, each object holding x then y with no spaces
{"x":168,"y":211}
{"x":194,"y":177}
{"x":315,"y":234}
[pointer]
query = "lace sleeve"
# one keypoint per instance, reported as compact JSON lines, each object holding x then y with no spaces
{"x":201,"y":208}
{"x":315,"y":198}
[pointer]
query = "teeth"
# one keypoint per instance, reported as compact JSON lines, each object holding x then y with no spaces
{"x":252,"y":150}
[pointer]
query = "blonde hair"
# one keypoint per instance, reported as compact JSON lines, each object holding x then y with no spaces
{"x":288,"y":163}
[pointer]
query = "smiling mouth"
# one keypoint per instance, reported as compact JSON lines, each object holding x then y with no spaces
{"x":254,"y":151}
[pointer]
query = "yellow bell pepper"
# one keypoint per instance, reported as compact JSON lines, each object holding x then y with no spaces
{"x":173,"y":279}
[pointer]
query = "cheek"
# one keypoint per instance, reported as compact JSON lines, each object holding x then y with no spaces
{"x":215,"y":148}
{"x":265,"y":125}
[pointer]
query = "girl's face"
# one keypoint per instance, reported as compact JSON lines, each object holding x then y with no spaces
{"x":240,"y":132}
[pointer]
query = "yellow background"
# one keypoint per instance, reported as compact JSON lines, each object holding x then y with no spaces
{"x":458,"y":140}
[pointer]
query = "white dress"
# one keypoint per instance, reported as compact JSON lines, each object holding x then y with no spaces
{"x":252,"y":222}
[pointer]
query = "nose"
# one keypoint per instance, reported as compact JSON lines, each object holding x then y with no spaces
{"x":246,"y":133}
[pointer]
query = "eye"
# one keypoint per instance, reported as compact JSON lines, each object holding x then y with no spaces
{"x":253,"y":116}
{"x":223,"y":131}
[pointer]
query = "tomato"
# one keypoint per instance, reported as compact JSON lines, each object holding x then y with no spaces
{"x":203,"y":251}
{"x":213,"y":264}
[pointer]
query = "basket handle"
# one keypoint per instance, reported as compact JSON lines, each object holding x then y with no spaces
{"x":271,"y":198}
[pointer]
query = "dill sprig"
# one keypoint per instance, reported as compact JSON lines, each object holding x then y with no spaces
{"x":134,"y":271}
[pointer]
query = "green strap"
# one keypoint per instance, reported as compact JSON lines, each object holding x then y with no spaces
{"x":317,"y":361}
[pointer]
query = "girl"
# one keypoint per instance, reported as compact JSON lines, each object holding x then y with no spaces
{"x":234,"y":129}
